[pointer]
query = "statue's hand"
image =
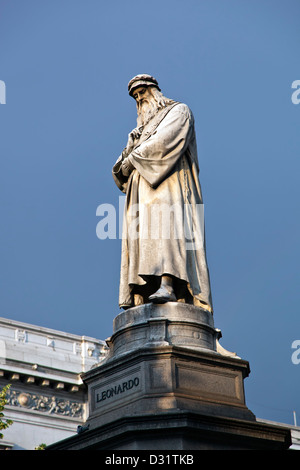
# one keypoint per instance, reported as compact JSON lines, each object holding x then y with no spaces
{"x":133,"y":136}
{"x":130,"y":143}
{"x":126,"y":167}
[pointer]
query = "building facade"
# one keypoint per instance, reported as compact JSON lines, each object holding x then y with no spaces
{"x":46,"y":400}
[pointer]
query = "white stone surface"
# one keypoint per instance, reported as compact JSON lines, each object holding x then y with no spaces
{"x":46,"y":347}
{"x":28,"y":431}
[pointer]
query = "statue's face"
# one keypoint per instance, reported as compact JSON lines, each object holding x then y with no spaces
{"x":142,"y":94}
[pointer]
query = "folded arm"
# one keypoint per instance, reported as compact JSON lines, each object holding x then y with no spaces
{"x":155,"y":158}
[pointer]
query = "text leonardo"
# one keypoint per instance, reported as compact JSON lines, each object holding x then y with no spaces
{"x":117,"y":389}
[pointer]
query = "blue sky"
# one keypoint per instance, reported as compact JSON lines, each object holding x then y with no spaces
{"x":66,"y":65}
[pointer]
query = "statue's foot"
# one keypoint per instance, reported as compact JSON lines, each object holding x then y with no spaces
{"x":162,"y":295}
{"x":126,"y":307}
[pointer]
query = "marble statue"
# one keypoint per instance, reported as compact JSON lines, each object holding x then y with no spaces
{"x":163,"y":255}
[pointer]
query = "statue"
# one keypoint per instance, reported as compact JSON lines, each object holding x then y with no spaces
{"x":158,"y":171}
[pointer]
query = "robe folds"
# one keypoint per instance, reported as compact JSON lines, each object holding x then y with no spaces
{"x":163,"y":226}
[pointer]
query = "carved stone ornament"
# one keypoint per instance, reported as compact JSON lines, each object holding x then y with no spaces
{"x":45,"y":404}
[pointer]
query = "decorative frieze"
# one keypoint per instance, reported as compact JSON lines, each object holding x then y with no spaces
{"x":44,"y":403}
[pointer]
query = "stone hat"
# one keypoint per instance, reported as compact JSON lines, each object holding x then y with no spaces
{"x":142,"y":80}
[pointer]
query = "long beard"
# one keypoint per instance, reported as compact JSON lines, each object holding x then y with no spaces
{"x":147,"y":109}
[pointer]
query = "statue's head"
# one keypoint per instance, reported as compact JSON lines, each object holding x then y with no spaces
{"x":143,"y":80}
{"x":149,"y":99}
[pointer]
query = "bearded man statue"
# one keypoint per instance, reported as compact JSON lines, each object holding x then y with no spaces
{"x":163,"y":247}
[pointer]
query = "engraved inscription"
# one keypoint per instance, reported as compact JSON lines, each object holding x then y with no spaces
{"x":117,"y":389}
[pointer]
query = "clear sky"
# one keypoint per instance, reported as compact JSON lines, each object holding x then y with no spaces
{"x":66,"y":65}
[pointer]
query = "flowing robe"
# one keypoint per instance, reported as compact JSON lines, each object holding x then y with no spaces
{"x":165,"y":176}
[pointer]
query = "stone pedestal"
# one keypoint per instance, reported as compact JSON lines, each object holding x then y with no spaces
{"x":166,"y":383}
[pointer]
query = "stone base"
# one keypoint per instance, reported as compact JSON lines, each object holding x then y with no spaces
{"x":167,"y":384}
{"x":166,"y":378}
{"x":178,"y":431}
{"x":172,"y":323}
